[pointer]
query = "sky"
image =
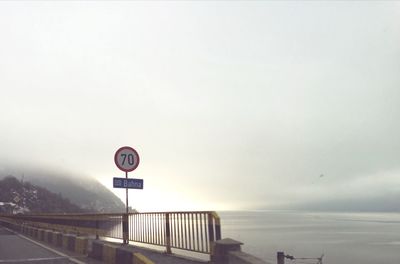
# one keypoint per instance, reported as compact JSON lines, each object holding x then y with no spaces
{"x":230,"y":104}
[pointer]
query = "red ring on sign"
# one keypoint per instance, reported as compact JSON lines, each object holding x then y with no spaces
{"x":134,"y":153}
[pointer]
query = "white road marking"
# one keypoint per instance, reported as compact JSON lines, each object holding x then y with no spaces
{"x":29,"y":260}
{"x":48,"y":248}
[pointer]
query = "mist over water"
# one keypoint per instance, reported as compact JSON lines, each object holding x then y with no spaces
{"x":356,"y":238}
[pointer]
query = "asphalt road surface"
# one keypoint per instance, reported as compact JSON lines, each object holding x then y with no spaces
{"x":15,"y":248}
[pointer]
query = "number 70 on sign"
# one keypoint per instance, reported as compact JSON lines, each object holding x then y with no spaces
{"x":127,"y":159}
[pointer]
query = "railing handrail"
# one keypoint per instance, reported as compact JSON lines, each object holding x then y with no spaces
{"x":187,"y":230}
{"x":105,"y":214}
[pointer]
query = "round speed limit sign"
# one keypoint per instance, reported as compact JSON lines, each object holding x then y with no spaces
{"x":126,"y":159}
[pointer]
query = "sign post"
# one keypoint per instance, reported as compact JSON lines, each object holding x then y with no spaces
{"x":127,"y":159}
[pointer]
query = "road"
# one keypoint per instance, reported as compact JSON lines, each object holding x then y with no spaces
{"x":15,"y":248}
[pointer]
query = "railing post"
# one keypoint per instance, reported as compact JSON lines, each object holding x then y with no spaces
{"x":211,"y":233}
{"x":97,"y":228}
{"x":168,"y":233}
{"x":280,"y":258}
{"x":125,"y":228}
{"x":217,"y":227}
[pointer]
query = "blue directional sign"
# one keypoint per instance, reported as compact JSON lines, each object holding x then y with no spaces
{"x":127,"y":183}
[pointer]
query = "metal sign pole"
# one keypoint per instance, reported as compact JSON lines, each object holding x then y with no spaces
{"x":126,"y":176}
{"x":125,"y":223}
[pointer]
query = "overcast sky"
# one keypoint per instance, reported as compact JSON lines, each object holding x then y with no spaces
{"x":230,"y":105}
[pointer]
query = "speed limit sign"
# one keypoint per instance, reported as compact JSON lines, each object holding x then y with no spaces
{"x":126,"y":159}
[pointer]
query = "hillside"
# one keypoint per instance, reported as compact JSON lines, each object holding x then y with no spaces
{"x":82,"y":190}
{"x":87,"y":192}
{"x":23,"y":197}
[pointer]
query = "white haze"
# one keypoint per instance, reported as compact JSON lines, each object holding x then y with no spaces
{"x":231,"y":105}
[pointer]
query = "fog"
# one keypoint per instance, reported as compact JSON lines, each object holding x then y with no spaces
{"x":230,"y":105}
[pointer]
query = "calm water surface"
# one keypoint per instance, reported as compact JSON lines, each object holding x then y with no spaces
{"x":344,"y":238}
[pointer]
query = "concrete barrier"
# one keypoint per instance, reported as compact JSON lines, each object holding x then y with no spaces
{"x":97,"y":250}
{"x":33,"y":231}
{"x":81,"y":245}
{"x":113,"y":253}
{"x":109,"y":253}
{"x":228,"y":251}
{"x":48,"y":235}
{"x":41,"y":234}
{"x":104,"y":251}
{"x":57,"y":239}
{"x":68,"y":241}
{"x":26,"y":230}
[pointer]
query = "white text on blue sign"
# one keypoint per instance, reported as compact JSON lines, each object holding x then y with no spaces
{"x":128,"y":183}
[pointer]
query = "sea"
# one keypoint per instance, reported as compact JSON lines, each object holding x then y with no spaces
{"x":340,"y":238}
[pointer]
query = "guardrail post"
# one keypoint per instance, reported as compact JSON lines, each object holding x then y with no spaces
{"x":125,"y":228}
{"x":167,"y":233}
{"x":280,"y":258}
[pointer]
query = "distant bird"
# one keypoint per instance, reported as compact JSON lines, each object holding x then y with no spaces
{"x":315,"y":180}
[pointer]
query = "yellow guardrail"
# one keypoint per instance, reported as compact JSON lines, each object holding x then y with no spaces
{"x":192,"y":231}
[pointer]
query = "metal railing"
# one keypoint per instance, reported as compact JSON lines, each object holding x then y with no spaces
{"x":191,"y":231}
